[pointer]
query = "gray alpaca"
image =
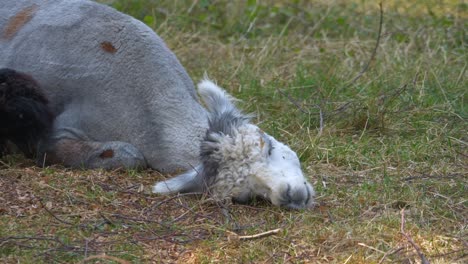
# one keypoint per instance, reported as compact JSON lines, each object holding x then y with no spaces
{"x":121,"y":99}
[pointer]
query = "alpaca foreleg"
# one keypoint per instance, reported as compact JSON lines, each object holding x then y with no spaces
{"x":91,"y":154}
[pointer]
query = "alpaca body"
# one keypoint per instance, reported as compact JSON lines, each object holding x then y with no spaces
{"x":120,"y":96}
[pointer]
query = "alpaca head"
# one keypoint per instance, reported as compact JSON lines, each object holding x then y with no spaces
{"x":240,"y":161}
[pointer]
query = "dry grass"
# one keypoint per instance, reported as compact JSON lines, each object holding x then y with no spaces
{"x":62,"y":215}
{"x":393,"y":142}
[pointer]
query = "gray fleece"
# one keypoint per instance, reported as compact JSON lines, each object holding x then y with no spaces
{"x":109,"y":78}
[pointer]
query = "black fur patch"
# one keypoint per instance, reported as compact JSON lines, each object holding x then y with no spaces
{"x":25,"y":117}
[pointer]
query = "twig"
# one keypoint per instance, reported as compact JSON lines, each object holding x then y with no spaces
{"x":321,"y":119}
{"x":449,"y":253}
{"x":44,"y":160}
{"x":294,"y":102}
{"x":86,"y":248}
{"x":53,"y":215}
{"x":104,"y":256}
{"x":330,"y":217}
{"x":389,"y":253}
{"x":124,"y":217}
{"x":426,"y":176}
{"x":260,"y":235}
{"x":374,"y":52}
{"x":174,"y":197}
{"x":373,"y":248}
{"x":195,"y":213}
{"x":83,"y":226}
{"x":106,"y":220}
{"x":5,"y":164}
{"x":61,"y":246}
{"x":339,"y":110}
{"x":5,"y":240}
{"x":410,"y":240}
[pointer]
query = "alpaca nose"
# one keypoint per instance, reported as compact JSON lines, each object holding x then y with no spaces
{"x":296,"y":198}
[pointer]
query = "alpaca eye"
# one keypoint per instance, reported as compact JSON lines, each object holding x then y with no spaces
{"x":270,"y":145}
{"x":270,"y":149}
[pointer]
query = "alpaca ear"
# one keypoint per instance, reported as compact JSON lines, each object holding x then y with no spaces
{"x":224,"y":116}
{"x":190,"y":181}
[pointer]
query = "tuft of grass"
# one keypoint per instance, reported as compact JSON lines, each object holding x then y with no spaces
{"x":393,"y":140}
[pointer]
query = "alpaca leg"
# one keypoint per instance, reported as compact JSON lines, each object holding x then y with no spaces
{"x":69,"y":145}
{"x":91,"y":154}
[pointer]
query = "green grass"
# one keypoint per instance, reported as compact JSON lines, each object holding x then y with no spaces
{"x":394,"y":139}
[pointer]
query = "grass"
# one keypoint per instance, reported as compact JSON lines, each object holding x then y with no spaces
{"x":393,"y":141}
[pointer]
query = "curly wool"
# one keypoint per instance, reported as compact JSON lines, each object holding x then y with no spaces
{"x":238,"y":156}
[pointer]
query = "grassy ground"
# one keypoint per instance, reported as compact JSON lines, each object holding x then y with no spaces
{"x":383,"y":148}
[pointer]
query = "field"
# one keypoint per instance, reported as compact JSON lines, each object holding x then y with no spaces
{"x":376,"y":110}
